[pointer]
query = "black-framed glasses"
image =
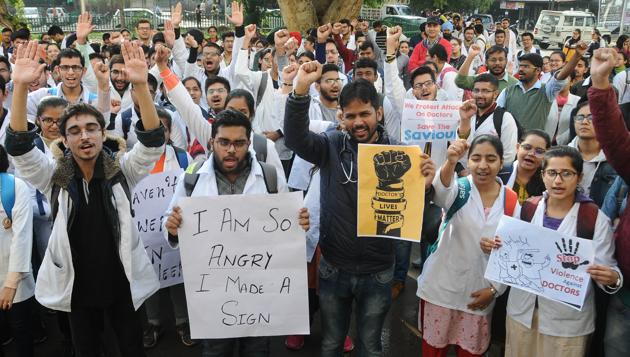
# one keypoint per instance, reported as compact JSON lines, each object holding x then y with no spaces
{"x":564,"y":174}
{"x":581,"y":118}
{"x":426,"y":84}
{"x":73,"y":68}
{"x":537,"y":151}
{"x":238,"y":144}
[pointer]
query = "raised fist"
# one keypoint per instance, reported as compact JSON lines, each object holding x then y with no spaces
{"x":390,"y":166}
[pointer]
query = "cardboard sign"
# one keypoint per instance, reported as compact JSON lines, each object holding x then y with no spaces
{"x":150,"y":199}
{"x":542,"y":261}
{"x":244,"y":266}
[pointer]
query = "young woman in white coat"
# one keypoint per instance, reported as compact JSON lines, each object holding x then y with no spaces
{"x":16,"y":275}
{"x":537,"y":326}
{"x":456,"y":301}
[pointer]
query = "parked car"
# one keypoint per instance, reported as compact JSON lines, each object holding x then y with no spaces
{"x":31,"y":13}
{"x":133,"y":15}
{"x":556,"y":27}
{"x":57,"y":15}
{"x":486,"y":20}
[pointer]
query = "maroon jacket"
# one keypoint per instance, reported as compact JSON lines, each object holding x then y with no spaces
{"x":614,"y":138}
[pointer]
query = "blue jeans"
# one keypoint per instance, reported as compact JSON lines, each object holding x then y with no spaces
{"x":248,"y":347}
{"x":617,"y":339}
{"x":403,"y":252}
{"x":337,"y":291}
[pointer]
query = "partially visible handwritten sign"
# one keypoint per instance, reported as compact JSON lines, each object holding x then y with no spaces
{"x":150,"y":199}
{"x":244,"y":266}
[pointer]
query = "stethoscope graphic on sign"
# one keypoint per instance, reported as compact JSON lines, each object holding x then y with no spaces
{"x":346,"y":150}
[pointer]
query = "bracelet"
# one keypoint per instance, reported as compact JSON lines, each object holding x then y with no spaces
{"x":288,"y":84}
{"x":390,"y":58}
{"x":494,"y":292}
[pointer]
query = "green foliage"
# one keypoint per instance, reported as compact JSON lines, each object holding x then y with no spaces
{"x":253,"y":11}
{"x":373,"y":3}
{"x":13,"y":13}
{"x":482,"y":5}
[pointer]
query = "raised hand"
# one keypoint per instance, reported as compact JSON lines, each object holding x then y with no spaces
{"x":468,"y":109}
{"x":390,"y":166}
{"x":190,"y":41}
{"x":135,"y":64}
{"x":250,"y":32}
{"x":116,"y":37}
{"x":281,"y":37}
{"x":393,"y":37}
{"x":308,"y":74}
{"x":237,"y":14}
{"x":474,"y":50}
{"x":169,"y":33}
{"x":602,"y":63}
{"x":101,"y":71}
{"x":162,"y":54}
{"x":456,"y":151}
{"x":27,"y":68}
{"x":323,"y":32}
{"x":336,"y":28}
{"x":427,"y":169}
{"x":290,"y":46}
{"x":84,"y":27}
{"x":289,"y":72}
{"x":580,"y":48}
{"x":176,"y":15}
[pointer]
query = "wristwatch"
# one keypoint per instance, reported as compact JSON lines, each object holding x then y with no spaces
{"x":298,"y":96}
{"x":494,"y":292}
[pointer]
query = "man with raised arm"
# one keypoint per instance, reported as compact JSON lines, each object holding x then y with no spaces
{"x":95,"y":267}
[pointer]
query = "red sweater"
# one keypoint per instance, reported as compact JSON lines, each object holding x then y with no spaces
{"x":420,"y":52}
{"x":613,"y":136}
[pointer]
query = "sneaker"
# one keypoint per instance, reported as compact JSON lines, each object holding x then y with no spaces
{"x":151,"y":336}
{"x":295,"y":342}
{"x":183,"y":332}
{"x":397,"y":288}
{"x":348,"y":345}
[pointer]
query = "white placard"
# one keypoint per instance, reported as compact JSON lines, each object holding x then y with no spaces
{"x":542,"y":261}
{"x":244,"y":267}
{"x":429,"y":121}
{"x":150,"y":199}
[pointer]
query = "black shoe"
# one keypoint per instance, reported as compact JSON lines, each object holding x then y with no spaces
{"x":183,"y":332}
{"x":151,"y":336}
{"x":417,"y":263}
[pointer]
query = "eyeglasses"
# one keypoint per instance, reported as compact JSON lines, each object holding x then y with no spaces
{"x":73,"y":68}
{"x":50,"y":121}
{"x":564,"y":174}
{"x":226,"y":144}
{"x":211,"y":54}
{"x":482,"y":91}
{"x":218,"y":91}
{"x":537,"y":151}
{"x":581,"y":118}
{"x":91,"y":131}
{"x":427,"y":84}
{"x":331,"y":81}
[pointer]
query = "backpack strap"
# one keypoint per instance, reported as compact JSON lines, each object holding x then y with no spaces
{"x":126,"y":122}
{"x":262,"y":87}
{"x":587,"y":217}
{"x":39,"y":143}
{"x":182,"y":158}
{"x":497,"y":119}
{"x":510,"y":199}
{"x":529,"y":208}
{"x":260,"y":147}
{"x":52,"y":91}
{"x":463,"y":193}
{"x":270,"y":175}
{"x":191,"y":177}
{"x":7,"y":193}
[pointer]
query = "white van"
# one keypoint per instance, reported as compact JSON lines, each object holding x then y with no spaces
{"x":555,"y":27}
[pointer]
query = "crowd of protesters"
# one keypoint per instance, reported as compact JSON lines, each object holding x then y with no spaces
{"x":543,"y":139}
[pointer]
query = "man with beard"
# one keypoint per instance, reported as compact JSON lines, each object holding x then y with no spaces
{"x":329,"y":86}
{"x":510,"y":37}
{"x":482,"y":110}
{"x":496,"y":61}
{"x":120,"y":92}
{"x":327,"y":52}
{"x":529,"y":100}
{"x":106,"y":273}
{"x":421,"y":51}
{"x":351,"y":269}
{"x":212,"y":52}
{"x":71,"y":70}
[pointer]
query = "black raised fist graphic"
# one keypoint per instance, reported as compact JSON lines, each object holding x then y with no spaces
{"x":391,"y":166}
{"x":569,"y":257}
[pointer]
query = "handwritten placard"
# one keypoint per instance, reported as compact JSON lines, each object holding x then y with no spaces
{"x":429,"y":121}
{"x":244,"y":266}
{"x":542,"y":261}
{"x":150,"y":199}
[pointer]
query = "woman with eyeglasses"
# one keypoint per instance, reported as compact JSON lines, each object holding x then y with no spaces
{"x":456,"y":300}
{"x":523,"y":175}
{"x":537,"y":326}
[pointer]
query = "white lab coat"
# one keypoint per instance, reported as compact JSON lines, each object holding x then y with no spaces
{"x":457,"y":267}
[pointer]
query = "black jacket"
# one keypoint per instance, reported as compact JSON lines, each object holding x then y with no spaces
{"x":338,"y":232}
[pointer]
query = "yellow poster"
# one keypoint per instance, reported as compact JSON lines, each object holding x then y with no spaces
{"x":391,"y":192}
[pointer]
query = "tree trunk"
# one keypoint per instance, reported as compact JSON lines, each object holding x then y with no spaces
{"x":300,"y":15}
{"x":4,"y":15}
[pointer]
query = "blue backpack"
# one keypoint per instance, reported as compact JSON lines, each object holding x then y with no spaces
{"x":7,"y":193}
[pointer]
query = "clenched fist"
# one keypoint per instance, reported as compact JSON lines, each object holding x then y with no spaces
{"x":391,"y":166}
